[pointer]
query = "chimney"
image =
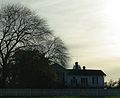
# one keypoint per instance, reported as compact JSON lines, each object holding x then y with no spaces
{"x":76,"y":66}
{"x":76,"y":63}
{"x":83,"y":67}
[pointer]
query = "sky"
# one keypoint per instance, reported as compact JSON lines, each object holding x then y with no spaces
{"x":89,"y":28}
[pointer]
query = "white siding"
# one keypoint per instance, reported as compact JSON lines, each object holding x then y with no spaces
{"x":89,"y":78}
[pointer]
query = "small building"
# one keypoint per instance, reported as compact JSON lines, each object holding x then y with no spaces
{"x":83,"y":78}
{"x":79,"y":77}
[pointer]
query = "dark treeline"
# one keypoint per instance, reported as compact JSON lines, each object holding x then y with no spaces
{"x":27,"y":49}
{"x":32,"y":70}
{"x":112,"y":84}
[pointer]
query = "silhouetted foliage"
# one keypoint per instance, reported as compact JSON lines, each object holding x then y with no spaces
{"x":118,"y":83}
{"x":54,"y":50}
{"x":33,"y":70}
{"x":111,"y":84}
{"x":18,"y":28}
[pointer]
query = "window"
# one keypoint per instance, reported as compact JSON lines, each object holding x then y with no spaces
{"x":97,"y":80}
{"x":94,"y":80}
{"x":73,"y":82}
{"x":84,"y":81}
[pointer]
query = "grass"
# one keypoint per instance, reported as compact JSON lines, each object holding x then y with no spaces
{"x":68,"y":97}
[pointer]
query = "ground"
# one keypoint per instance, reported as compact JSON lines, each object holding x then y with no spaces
{"x":68,"y":97}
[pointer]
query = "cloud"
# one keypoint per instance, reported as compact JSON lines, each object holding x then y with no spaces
{"x":90,"y":29}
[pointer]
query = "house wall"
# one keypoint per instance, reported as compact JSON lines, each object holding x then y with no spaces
{"x":89,"y":78}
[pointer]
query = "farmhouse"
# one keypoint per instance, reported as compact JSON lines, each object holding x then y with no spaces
{"x":80,"y":77}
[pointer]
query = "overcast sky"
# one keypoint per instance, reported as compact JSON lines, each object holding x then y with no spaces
{"x":89,"y":28}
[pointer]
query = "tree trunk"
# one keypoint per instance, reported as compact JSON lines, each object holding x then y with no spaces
{"x":4,"y":77}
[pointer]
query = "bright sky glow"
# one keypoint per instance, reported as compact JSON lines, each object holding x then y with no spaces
{"x":89,"y":28}
{"x":113,"y":18}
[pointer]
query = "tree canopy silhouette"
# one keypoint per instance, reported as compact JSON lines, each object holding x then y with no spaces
{"x":18,"y":27}
{"x":32,"y":70}
{"x":54,"y":50}
{"x":22,"y":28}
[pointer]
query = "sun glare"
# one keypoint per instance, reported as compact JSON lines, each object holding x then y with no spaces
{"x":112,"y":17}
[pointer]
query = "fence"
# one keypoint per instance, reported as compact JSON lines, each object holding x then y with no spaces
{"x":59,"y":92}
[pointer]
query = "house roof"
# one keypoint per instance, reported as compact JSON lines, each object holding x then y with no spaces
{"x":85,"y":72}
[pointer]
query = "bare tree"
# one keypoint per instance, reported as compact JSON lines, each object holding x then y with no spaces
{"x":18,"y":27}
{"x":56,"y":51}
{"x":112,"y":84}
{"x":53,"y":49}
{"x":35,"y":62}
{"x":118,"y":83}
